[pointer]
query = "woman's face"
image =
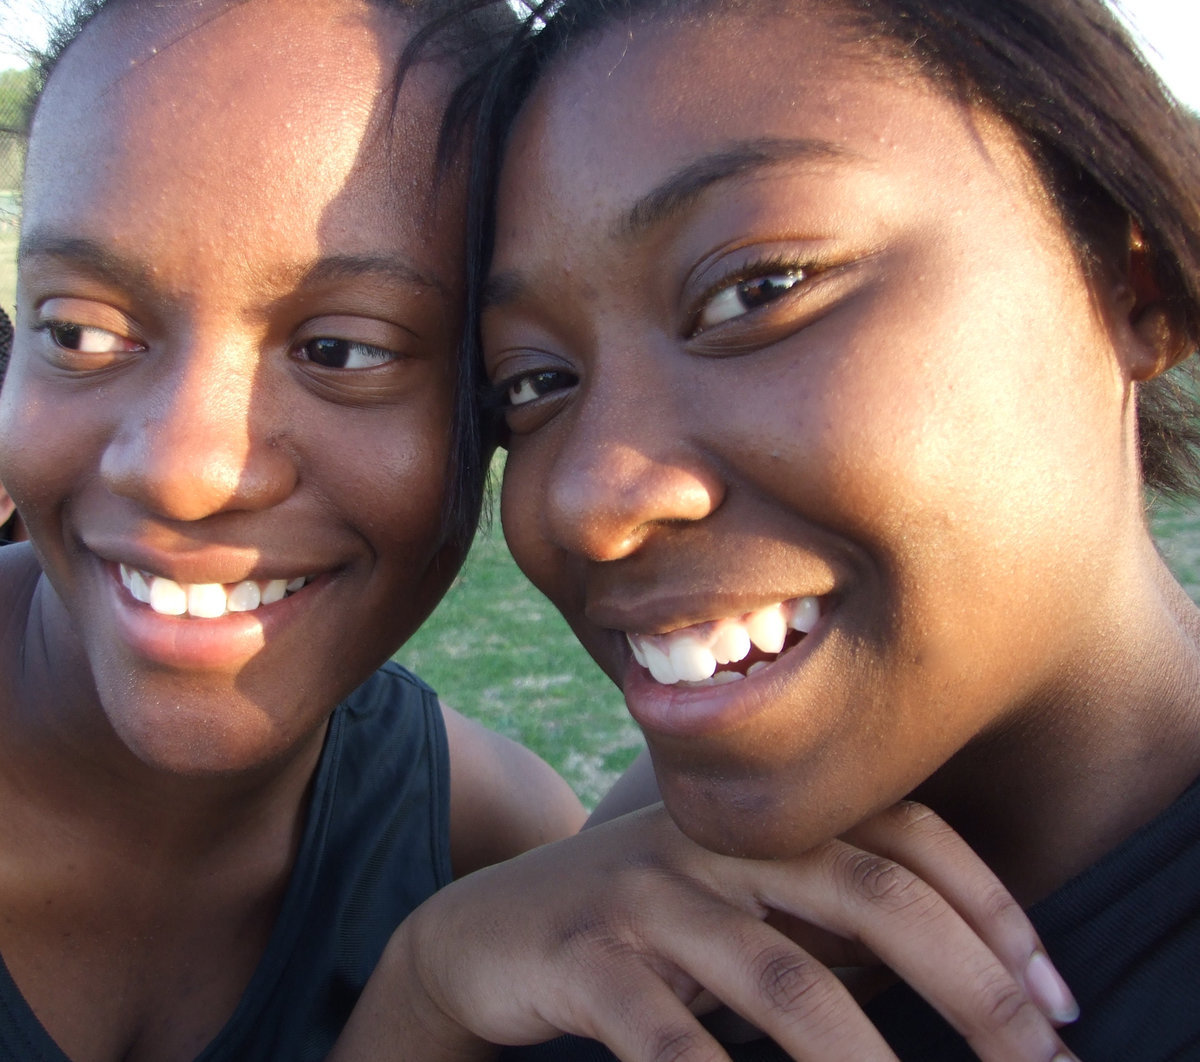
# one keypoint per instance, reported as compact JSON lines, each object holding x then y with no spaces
{"x":226,"y":421}
{"x":798,"y":357}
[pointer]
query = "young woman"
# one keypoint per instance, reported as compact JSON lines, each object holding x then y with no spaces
{"x":833,"y":344}
{"x":225,"y":425}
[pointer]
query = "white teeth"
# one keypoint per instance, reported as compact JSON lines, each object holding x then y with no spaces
{"x":694,"y":654}
{"x":206,"y":600}
{"x":274,"y":591}
{"x":659,"y":665}
{"x":635,"y":645}
{"x":140,"y":587}
{"x":767,"y":629}
{"x":730,"y":643}
{"x":245,"y":597}
{"x":691,"y":659}
{"x":805,"y":613}
{"x":135,"y":582}
{"x":167,"y":597}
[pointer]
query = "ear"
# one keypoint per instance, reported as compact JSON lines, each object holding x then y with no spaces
{"x":1160,"y":336}
{"x":6,"y":506}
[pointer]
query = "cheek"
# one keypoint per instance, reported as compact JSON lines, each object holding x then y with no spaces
{"x":394,"y":477}
{"x":522,"y":499}
{"x":42,"y":447}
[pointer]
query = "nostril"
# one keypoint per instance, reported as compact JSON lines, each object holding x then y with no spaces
{"x":191,"y":470}
{"x":606,"y":507}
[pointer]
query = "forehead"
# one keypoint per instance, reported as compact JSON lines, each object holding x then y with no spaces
{"x":672,"y":90}
{"x":260,"y":117}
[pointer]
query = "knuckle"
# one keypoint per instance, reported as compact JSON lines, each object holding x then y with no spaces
{"x":789,"y":979}
{"x":592,"y":937}
{"x":678,"y":1044}
{"x":996,"y":903}
{"x":1005,"y":1006}
{"x":885,"y":883}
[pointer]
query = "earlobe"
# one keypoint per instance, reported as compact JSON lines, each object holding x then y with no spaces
{"x":1162,"y":341}
{"x":7,"y":508}
{"x":1160,"y":337}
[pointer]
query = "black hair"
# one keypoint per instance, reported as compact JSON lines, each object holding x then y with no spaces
{"x":1115,"y":151}
{"x":468,"y":35}
{"x":9,"y":527}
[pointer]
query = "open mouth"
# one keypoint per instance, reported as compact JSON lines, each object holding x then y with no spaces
{"x":726,"y":650}
{"x":206,"y":600}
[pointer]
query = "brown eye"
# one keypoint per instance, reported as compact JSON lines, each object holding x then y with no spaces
{"x":87,"y":339}
{"x":534,"y":385}
{"x":345,"y":354}
{"x":746,"y":295}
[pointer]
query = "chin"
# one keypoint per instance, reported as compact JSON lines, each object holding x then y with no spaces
{"x":752,"y":818}
{"x":188,"y":741}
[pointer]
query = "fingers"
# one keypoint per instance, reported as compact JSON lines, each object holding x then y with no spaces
{"x":914,"y":835}
{"x":776,"y":985}
{"x":912,"y":928}
{"x":641,"y":1020}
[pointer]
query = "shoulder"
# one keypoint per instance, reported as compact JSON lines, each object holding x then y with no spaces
{"x":19,"y":575}
{"x":504,"y":799}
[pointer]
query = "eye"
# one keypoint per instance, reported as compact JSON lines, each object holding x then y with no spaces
{"x":746,"y":295}
{"x":345,"y":354}
{"x":522,"y":390}
{"x":87,"y":339}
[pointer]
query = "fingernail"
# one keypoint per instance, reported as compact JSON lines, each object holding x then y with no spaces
{"x":1049,"y":990}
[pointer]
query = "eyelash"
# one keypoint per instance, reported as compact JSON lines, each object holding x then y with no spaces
{"x":51,"y":325}
{"x":770,"y":265}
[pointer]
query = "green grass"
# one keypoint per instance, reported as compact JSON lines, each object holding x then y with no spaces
{"x":1177,"y":529}
{"x":496,"y":650}
{"x":499,"y":652}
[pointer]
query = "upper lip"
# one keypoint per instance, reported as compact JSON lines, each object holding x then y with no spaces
{"x":208,"y":564}
{"x":666,"y":613}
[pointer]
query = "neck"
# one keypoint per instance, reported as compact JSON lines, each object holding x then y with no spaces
{"x":1081,"y":767}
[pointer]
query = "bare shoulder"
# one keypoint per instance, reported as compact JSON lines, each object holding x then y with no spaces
{"x":504,"y":799}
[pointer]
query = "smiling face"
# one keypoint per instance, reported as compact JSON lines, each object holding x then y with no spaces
{"x":807,"y":365}
{"x":226,"y":420}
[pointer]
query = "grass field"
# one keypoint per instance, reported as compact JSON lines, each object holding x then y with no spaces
{"x":497,"y":651}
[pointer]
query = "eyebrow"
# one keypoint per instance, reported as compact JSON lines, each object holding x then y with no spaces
{"x":123,"y":272}
{"x":683,"y":187}
{"x":680,"y":190}
{"x":94,"y":256}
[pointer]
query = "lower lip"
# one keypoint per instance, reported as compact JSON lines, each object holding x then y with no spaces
{"x":701,"y":711}
{"x":188,"y":643}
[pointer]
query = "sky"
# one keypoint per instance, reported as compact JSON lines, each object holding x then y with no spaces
{"x":1171,"y":28}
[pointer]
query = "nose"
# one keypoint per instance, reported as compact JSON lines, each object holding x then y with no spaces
{"x":203,"y":439}
{"x":624,"y":477}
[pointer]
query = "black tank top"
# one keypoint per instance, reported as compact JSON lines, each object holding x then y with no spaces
{"x":376,"y":843}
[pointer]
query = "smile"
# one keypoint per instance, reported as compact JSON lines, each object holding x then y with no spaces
{"x":717,"y":652}
{"x":206,"y":600}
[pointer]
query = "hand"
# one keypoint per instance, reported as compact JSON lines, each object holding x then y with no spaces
{"x":614,"y":933}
